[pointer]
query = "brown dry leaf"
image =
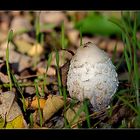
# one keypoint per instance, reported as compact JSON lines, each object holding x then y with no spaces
{"x":3,"y":78}
{"x":63,"y":57}
{"x":3,"y":37}
{"x":36,"y":49}
{"x":19,"y":62}
{"x":19,"y":23}
{"x":3,"y":47}
{"x":25,"y":37}
{"x":63,"y":71}
{"x":10,"y":110}
{"x":6,"y":101}
{"x":52,"y":17}
{"x":34,"y":103}
{"x":73,"y":36}
{"x":41,"y":69}
{"x":51,"y":71}
{"x":14,"y":112}
{"x":114,"y":14}
{"x":52,"y":105}
{"x":60,"y":123}
{"x":111,"y":44}
{"x":71,"y":113}
{"x":24,"y":62}
{"x":30,"y":90}
{"x":122,"y":112}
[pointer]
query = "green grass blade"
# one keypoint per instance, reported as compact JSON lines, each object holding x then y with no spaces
{"x":86,"y":103}
{"x":58,"y":73}
{"x":77,"y":114}
{"x":37,"y":27}
{"x":39,"y":109}
{"x":127,"y":103}
{"x":10,"y":36}
{"x":20,"y":90}
{"x":31,"y":120}
{"x":119,"y":63}
{"x":114,"y":53}
{"x":48,"y":63}
{"x":62,"y":36}
{"x":81,"y":41}
{"x":65,"y":108}
{"x":127,"y":62}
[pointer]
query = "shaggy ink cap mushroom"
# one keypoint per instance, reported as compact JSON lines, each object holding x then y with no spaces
{"x":92,"y":76}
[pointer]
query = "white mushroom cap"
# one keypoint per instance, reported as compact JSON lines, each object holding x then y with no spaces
{"x":92,"y":75}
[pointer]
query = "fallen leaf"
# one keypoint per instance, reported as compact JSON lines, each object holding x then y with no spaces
{"x":34,"y":103}
{"x":71,"y":113}
{"x":30,"y":90}
{"x":64,"y":71}
{"x":10,"y":111}
{"x":6,"y":101}
{"x":52,"y":17}
{"x":111,"y":44}
{"x":20,"y":23}
{"x":18,"y":62}
{"x":17,"y":122}
{"x":52,"y":105}
{"x":4,"y":78}
{"x":3,"y":37}
{"x":59,"y":123}
{"x":41,"y":69}
{"x":24,"y":62}
{"x":73,"y":36}
{"x":63,"y":57}
{"x":36,"y":49}
{"x":14,"y":112}
{"x":2,"y":122}
{"x":3,"y":46}
{"x":22,"y":45}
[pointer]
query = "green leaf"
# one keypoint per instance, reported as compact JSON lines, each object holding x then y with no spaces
{"x":97,"y":24}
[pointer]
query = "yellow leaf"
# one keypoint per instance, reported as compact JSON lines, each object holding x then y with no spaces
{"x":36,"y":49}
{"x":22,"y":45}
{"x":18,"y":122}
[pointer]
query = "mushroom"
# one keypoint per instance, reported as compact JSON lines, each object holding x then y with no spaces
{"x":92,"y":76}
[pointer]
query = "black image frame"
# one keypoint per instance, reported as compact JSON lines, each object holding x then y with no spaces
{"x":77,"y":5}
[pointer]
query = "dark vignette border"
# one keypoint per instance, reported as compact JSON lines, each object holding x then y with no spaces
{"x":50,"y":134}
{"x":69,"y":5}
{"x":29,"y":134}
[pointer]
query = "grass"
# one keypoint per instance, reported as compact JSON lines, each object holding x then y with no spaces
{"x":20,"y":90}
{"x":10,"y":36}
{"x":130,"y":57}
{"x":81,"y":38}
{"x":114,"y":53}
{"x":58,"y":73}
{"x":39,"y":37}
{"x":39,"y":109}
